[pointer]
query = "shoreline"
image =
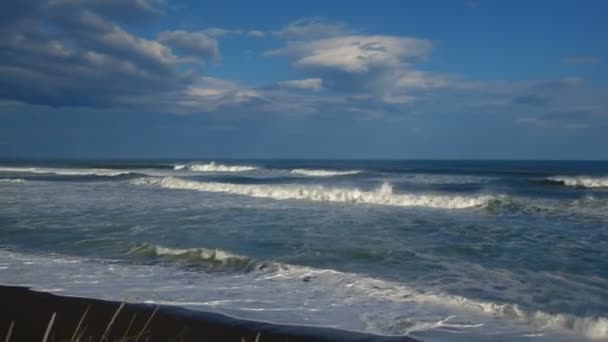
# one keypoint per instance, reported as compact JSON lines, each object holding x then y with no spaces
{"x":32,"y":310}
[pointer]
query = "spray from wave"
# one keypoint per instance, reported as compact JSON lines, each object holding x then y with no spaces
{"x":581,"y":182}
{"x":214,"y":167}
{"x":322,"y":173}
{"x":66,"y":172}
{"x":381,"y":196}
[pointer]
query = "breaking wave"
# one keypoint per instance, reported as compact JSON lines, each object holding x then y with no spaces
{"x":216,"y":258}
{"x":381,"y":196}
{"x":322,"y":173}
{"x":581,"y":182}
{"x":66,"y":172}
{"x":12,"y":180}
{"x":591,"y":327}
{"x":214,"y":167}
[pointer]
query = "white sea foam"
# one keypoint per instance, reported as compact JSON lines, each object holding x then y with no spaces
{"x":214,"y":167}
{"x":267,"y":287}
{"x":65,"y":171}
{"x":582,"y":181}
{"x":381,"y":196}
{"x":323,"y":173}
{"x":200,"y":254}
{"x":399,"y":324}
{"x":587,"y":327}
{"x":12,"y":180}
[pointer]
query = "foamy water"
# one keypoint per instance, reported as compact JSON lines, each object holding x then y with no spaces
{"x":323,"y":173}
{"x":585,"y":182}
{"x":12,"y":180}
{"x":382,"y":196}
{"x":442,"y":251}
{"x":214,"y":167}
{"x":65,"y":171}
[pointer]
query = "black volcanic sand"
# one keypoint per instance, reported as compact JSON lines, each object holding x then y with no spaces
{"x":31,"y":312}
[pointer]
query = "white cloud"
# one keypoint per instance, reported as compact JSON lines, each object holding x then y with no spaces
{"x":216,"y":32}
{"x":129,"y":10}
{"x":195,"y":43}
{"x":398,"y":99}
{"x":421,"y":80}
{"x":314,"y":84}
{"x":256,"y":33}
{"x":312,"y":28}
{"x":355,"y":53}
{"x":367,"y":75}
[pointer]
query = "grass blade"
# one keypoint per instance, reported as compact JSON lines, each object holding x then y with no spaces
{"x":86,"y":311}
{"x":148,"y":322}
{"x":107,"y":331}
{"x":10,"y":331}
{"x":124,"y":338}
{"x":48,"y":328}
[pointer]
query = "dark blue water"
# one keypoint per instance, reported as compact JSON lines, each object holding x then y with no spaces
{"x":441,"y":250}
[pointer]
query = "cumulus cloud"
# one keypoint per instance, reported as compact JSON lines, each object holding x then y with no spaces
{"x":67,"y":53}
{"x":381,"y":74}
{"x":354,"y":54}
{"x":382,"y":66}
{"x":197,"y":44}
{"x":314,"y":84}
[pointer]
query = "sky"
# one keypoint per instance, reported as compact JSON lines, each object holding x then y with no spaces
{"x":470,"y":79}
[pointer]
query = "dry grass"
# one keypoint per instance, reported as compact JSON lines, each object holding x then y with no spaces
{"x":79,"y":332}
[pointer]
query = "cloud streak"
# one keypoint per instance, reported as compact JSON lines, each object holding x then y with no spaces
{"x":314,"y":84}
{"x":581,"y":60}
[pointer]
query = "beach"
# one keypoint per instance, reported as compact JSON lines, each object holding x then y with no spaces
{"x":31,"y":312}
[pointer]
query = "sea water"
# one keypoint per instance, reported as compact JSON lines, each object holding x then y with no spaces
{"x":437,"y":250}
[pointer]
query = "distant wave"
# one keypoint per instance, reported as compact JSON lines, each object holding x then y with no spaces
{"x":214,"y":167}
{"x":358,"y":285}
{"x":211,"y":257}
{"x":66,"y":172}
{"x":322,"y":173}
{"x":382,"y":196}
{"x":133,"y":166}
{"x":581,"y":182}
{"x":12,"y":180}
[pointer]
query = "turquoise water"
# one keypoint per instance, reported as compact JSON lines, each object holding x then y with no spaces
{"x":439,"y":250}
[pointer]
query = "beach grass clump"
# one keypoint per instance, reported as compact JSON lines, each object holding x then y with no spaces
{"x":80,"y":332}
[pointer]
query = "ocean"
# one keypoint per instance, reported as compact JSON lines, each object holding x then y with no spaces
{"x":437,"y":250}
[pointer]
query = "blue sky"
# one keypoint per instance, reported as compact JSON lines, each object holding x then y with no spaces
{"x":316,"y":79}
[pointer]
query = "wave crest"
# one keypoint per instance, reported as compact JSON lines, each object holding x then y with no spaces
{"x":66,"y":172}
{"x":214,"y":167}
{"x":213,"y":257}
{"x":12,"y":180}
{"x":581,"y":182}
{"x":382,"y":196}
{"x":322,"y":173}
